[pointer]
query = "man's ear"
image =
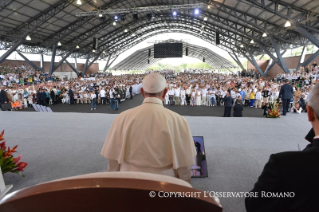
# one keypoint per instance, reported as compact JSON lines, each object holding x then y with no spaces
{"x":142,"y":91}
{"x":311,"y":114}
{"x":164,"y":93}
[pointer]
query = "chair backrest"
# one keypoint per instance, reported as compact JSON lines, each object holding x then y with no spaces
{"x":109,"y":194}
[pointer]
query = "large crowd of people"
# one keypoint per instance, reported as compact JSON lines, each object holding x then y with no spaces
{"x":26,"y":86}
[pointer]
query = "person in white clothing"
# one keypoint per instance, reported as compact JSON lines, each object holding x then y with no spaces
{"x":204,"y":95}
{"x":155,"y":148}
{"x":258,"y":99}
{"x":183,"y":96}
{"x":93,"y":100}
{"x":198,"y":97}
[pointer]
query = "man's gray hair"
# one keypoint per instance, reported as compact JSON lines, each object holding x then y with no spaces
{"x":314,"y":99}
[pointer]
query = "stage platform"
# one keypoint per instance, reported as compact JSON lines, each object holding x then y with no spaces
{"x":217,"y":111}
{"x":57,"y":145}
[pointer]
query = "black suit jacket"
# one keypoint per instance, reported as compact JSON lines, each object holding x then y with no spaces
{"x":296,"y":172}
{"x":71,"y":94}
{"x":228,"y":101}
{"x":286,"y":92}
{"x":238,"y":109}
{"x":3,"y":97}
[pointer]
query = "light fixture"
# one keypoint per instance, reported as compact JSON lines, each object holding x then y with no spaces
{"x":116,"y":18}
{"x":28,"y":37}
{"x":133,"y":34}
{"x":93,"y":50}
{"x":174,"y":13}
{"x":77,"y":46}
{"x":100,"y":14}
{"x":125,"y":30}
{"x":288,"y":24}
{"x":205,"y":18}
{"x":79,"y":2}
{"x":196,"y":11}
{"x":208,"y":6}
{"x":264,"y":35}
{"x":114,"y":23}
{"x":252,"y":41}
{"x":59,"y":43}
{"x":241,"y":46}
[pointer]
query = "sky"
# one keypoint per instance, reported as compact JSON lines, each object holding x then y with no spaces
{"x":148,"y":42}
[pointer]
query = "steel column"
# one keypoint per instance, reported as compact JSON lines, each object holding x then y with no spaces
{"x":235,"y":58}
{"x":12,"y":49}
{"x":67,"y":62}
{"x":86,"y":64}
{"x":302,"y":57}
{"x":41,"y":62}
{"x":255,"y":63}
{"x":52,"y":59}
{"x":310,"y":59}
{"x":75,"y":63}
{"x":308,"y":35}
{"x":107,"y":64}
{"x":279,"y":57}
{"x":28,"y":61}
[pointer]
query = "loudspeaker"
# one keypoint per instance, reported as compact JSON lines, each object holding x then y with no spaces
{"x":186,"y":51}
{"x":149,"y":52}
{"x":217,"y":38}
{"x":95,"y":43}
{"x":204,"y":59}
{"x":148,"y":61}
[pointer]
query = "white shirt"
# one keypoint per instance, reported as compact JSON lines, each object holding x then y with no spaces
{"x":111,"y":94}
{"x":177,"y":92}
{"x":93,"y":95}
{"x":102,"y":93}
{"x":258,"y":95}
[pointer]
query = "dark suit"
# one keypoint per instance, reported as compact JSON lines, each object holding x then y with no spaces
{"x":228,"y":101}
{"x":71,"y":94}
{"x":286,"y":93}
{"x":303,"y":104}
{"x":238,"y":109}
{"x":131,"y":90}
{"x":3,"y":97}
{"x":296,"y":172}
{"x":43,"y":98}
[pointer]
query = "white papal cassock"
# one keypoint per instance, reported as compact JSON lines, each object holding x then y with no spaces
{"x":150,"y":138}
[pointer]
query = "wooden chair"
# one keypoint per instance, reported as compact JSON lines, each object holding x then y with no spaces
{"x":108,"y":194}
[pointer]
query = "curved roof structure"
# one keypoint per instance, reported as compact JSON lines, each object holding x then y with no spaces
{"x":140,"y":59}
{"x":247,"y":27}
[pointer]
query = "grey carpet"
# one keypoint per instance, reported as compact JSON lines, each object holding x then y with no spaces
{"x":58,"y":145}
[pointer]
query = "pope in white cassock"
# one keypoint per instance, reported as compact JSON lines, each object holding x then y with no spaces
{"x":151,"y":138}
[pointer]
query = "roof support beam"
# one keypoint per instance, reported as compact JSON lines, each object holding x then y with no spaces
{"x":74,"y":69}
{"x":310,"y":59}
{"x":253,"y":61}
{"x":41,"y":62}
{"x":62,"y":60}
{"x":107,"y":63}
{"x":86,"y":64}
{"x":280,"y":59}
{"x":12,"y":49}
{"x":307,"y":35}
{"x":272,"y":63}
{"x":28,"y":61}
{"x":234,"y":56}
{"x":302,"y":57}
{"x":52,"y":59}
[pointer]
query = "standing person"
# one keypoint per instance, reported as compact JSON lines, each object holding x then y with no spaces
{"x":258,"y":99}
{"x":171,"y":96}
{"x":177,"y":94}
{"x":164,"y":144}
{"x":198,"y":97}
{"x":131,"y":91}
{"x":71,"y":95}
{"x":252,"y":98}
{"x":238,"y":108}
{"x":188,"y":95}
{"x":93,"y":100}
{"x":111,"y":98}
{"x":183,"y":94}
{"x":286,"y":94}
{"x":228,"y":102}
{"x":3,"y":97}
{"x":102,"y":94}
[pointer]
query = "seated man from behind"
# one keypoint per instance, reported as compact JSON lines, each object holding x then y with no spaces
{"x":287,"y":172}
{"x":151,"y":138}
